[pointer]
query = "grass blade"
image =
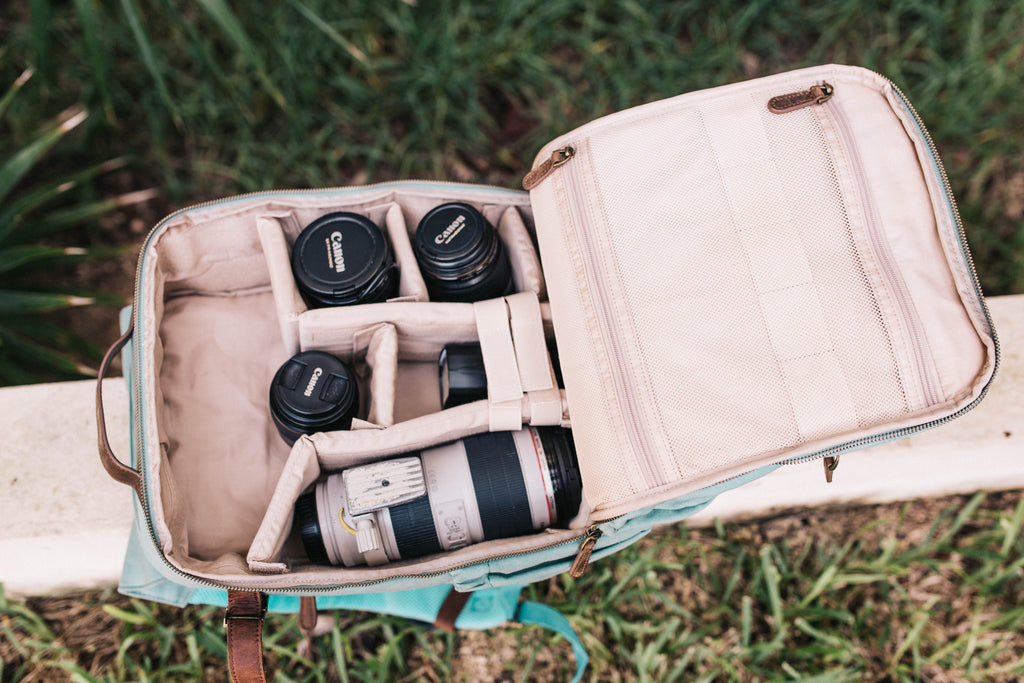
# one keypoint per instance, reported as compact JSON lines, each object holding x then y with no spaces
{"x":330,"y":32}
{"x":228,"y":22}
{"x":142,"y":41}
{"x":98,"y":61}
{"x":39,"y":35}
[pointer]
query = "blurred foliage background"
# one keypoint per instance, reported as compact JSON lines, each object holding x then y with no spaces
{"x":209,"y":98}
{"x":175,"y":102}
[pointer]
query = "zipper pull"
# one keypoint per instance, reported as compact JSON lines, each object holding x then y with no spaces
{"x":558,"y":157}
{"x":831,"y":462}
{"x":816,"y":94}
{"x":579,"y":565}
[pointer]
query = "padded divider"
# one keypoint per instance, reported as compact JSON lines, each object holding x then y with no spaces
{"x":423,"y":328}
{"x":287,"y":300}
{"x":376,"y":366}
{"x":521,"y":253}
{"x":410,"y":282}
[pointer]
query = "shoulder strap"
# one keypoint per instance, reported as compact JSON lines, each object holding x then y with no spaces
{"x":536,"y":614}
{"x":244,"y":623}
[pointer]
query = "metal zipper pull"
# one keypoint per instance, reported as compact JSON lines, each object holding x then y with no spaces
{"x":579,"y":565}
{"x":831,"y":462}
{"x":816,"y":94}
{"x":558,"y":157}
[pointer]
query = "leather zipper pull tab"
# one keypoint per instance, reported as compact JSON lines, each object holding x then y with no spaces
{"x":579,"y":565}
{"x":816,"y":94}
{"x":831,"y":463}
{"x":557,"y":158}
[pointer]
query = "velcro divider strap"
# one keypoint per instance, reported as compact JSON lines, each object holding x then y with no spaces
{"x":504,"y":388}
{"x":535,"y":370}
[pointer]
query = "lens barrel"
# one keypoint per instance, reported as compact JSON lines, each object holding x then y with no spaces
{"x":508,"y":484}
{"x":342,"y":259}
{"x":461,"y":255}
{"x":312,"y":392}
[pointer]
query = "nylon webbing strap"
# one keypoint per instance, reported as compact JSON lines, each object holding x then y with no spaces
{"x":536,"y":614}
{"x":244,"y":623}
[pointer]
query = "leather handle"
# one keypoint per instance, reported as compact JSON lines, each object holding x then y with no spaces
{"x":114,"y":467}
{"x":244,"y":623}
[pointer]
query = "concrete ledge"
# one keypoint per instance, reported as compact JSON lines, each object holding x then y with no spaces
{"x":64,"y":523}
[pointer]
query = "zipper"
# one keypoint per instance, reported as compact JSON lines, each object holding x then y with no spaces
{"x":557,"y":158}
{"x":816,"y":94}
{"x":922,"y":359}
{"x":622,"y":375}
{"x":582,"y":561}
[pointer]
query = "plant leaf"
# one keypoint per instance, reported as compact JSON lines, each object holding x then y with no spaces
{"x":12,"y":215}
{"x":21,"y":161}
{"x":13,"y":258}
{"x":8,"y":97}
{"x":12,"y":302}
{"x":27,"y":352}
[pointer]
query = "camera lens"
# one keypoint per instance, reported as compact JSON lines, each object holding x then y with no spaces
{"x":463,"y":378}
{"x":343,"y":258}
{"x":312,"y":392}
{"x":461,"y":255}
{"x":494,"y":485}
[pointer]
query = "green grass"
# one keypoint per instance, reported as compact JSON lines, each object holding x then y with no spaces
{"x":918,"y":591}
{"x":213,"y":98}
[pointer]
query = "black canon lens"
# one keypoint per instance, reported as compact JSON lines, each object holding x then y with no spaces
{"x":343,"y":258}
{"x":313,"y":392}
{"x":461,"y":255}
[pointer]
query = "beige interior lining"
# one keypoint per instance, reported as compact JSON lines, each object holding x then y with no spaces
{"x":218,"y":289}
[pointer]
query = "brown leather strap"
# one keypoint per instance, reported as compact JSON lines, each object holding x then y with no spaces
{"x":307,"y":614}
{"x":450,"y":610}
{"x":114,"y":467}
{"x":244,"y":623}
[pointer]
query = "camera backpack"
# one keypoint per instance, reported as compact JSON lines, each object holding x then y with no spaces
{"x":738,"y":279}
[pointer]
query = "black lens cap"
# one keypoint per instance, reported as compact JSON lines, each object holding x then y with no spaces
{"x":461,"y":255}
{"x":313,"y":392}
{"x":343,"y":258}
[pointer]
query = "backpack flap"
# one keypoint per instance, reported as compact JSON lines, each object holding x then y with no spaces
{"x":754,"y":274}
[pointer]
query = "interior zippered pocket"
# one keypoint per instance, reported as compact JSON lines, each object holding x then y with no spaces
{"x":741,"y":291}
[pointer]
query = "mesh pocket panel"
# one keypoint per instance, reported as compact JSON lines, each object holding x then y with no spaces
{"x":744,"y":310}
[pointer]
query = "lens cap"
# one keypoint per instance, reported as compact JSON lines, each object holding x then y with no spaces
{"x":313,"y":392}
{"x":343,"y":258}
{"x":461,"y":255}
